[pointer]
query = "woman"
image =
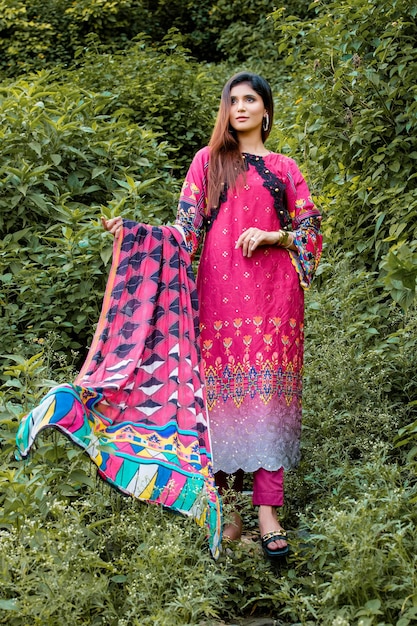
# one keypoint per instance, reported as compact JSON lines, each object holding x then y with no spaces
{"x":251,"y":211}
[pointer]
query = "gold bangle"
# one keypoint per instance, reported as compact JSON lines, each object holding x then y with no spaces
{"x":286,"y":240}
{"x":283,"y":239}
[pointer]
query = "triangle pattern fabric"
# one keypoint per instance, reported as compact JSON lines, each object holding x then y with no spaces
{"x":138,"y":406}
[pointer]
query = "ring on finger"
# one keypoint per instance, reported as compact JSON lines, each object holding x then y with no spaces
{"x":252,"y":239}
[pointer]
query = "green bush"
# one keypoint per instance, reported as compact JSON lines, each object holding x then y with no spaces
{"x":356,"y":120}
{"x":68,"y":155}
{"x":71,"y":549}
{"x":357,"y":562}
{"x":353,"y":495}
{"x":165,"y":90}
{"x":41,"y":34}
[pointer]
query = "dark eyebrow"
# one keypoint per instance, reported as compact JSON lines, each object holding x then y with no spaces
{"x":247,"y":95}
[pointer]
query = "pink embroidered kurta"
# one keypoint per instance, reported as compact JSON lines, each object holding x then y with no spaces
{"x":252,"y":309}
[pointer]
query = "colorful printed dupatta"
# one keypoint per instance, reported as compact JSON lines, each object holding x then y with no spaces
{"x":138,"y":406}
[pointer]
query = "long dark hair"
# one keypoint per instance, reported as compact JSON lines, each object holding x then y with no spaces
{"x":226,"y":163}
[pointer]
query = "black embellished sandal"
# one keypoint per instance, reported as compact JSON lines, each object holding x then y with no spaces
{"x":268,"y":538}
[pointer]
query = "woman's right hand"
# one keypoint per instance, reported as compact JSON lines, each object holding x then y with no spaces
{"x":113,"y":225}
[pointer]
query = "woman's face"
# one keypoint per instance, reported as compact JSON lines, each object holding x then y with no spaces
{"x":247,"y":109}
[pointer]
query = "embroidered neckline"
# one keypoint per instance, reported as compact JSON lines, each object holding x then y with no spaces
{"x":255,"y":156}
{"x":275,"y":186}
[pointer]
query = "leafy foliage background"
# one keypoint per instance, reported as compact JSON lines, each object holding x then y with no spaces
{"x":102,"y":105}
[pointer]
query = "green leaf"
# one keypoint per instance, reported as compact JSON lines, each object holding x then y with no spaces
{"x":98,"y":171}
{"x":395,"y":165}
{"x":39,"y":200}
{"x":106,"y":254}
{"x":78,"y":476}
{"x":10,"y":605}
{"x":36,"y":147}
{"x":119,"y":578}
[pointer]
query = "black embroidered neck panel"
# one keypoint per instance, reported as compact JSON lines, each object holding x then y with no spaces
{"x":275,"y":186}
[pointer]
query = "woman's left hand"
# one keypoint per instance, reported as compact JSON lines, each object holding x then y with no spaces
{"x":252,"y":238}
{"x":113,"y":225}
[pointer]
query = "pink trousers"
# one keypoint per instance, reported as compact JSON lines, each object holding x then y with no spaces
{"x":268,"y":487}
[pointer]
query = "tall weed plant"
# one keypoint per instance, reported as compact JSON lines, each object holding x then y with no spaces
{"x":358,"y":561}
{"x":353,"y":495}
{"x":359,"y":378}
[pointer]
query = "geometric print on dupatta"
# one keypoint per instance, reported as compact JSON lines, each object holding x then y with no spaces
{"x":138,"y":406}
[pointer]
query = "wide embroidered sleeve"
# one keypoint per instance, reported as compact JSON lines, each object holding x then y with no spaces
{"x":306,"y":220}
{"x":192,"y":202}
